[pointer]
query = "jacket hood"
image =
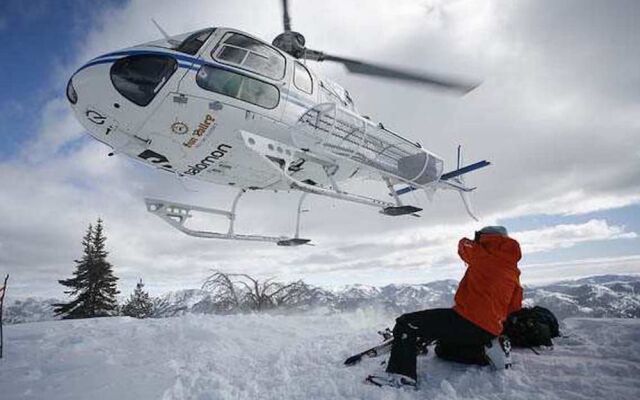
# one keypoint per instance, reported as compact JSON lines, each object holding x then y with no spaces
{"x":502,"y":247}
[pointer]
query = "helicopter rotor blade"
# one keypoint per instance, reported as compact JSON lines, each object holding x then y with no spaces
{"x":285,"y":15}
{"x":371,"y":69}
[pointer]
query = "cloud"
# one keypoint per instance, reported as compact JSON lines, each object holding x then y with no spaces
{"x":555,"y":116}
{"x":58,"y":127}
{"x":430,"y":252}
{"x":569,"y":235}
{"x":552,"y":272}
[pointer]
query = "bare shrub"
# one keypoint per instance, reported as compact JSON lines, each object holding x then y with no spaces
{"x":237,"y":292}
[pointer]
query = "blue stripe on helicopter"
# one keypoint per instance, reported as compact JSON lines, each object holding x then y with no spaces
{"x":177,"y":56}
{"x":465,"y":170}
{"x":110,"y":60}
{"x":405,"y":190}
{"x":183,"y":61}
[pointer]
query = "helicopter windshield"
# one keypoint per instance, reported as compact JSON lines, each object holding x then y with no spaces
{"x":189,"y":43}
{"x":194,"y":42}
{"x":250,"y":54}
{"x":140,"y":77}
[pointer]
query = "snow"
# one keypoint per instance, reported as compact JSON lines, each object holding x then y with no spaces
{"x":263,"y":356}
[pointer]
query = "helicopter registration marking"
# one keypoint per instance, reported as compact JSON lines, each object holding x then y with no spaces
{"x":203,"y":129}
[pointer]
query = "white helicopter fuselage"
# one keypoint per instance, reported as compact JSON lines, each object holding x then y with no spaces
{"x":222,"y":106}
{"x":193,"y":132}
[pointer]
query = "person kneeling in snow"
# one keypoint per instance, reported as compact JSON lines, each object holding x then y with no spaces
{"x":489,"y":291}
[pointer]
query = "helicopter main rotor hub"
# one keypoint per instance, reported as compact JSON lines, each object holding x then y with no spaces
{"x":291,"y":42}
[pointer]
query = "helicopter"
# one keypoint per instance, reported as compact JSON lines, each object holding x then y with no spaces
{"x":225,"y":107}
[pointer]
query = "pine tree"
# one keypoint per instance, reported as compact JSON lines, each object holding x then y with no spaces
{"x":104,"y":288}
{"x":139,"y":304}
{"x":93,"y":283}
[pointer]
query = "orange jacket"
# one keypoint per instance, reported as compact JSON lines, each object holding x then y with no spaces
{"x":490,"y":289}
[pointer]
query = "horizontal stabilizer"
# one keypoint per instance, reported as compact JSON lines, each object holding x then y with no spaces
{"x":406,"y":190}
{"x":464,"y":170}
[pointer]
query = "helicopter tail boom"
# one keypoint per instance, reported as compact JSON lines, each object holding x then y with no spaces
{"x":453,"y":180}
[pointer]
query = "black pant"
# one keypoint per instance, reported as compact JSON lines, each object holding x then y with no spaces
{"x":437,"y":324}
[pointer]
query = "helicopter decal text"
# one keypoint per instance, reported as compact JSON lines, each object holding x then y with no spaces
{"x":156,"y":158}
{"x":208,"y":125}
{"x":209,"y":160}
{"x":95,"y":117}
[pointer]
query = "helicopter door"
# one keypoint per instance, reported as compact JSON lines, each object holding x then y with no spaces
{"x":302,"y":93}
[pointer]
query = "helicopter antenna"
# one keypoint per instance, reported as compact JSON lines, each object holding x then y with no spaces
{"x":164,"y":33}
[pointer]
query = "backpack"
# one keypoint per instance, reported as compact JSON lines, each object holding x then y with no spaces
{"x":530,"y":327}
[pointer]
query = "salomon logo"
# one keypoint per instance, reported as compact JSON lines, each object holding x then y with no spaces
{"x":208,"y":160}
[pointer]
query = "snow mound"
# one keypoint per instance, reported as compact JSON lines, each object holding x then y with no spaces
{"x":208,"y":357}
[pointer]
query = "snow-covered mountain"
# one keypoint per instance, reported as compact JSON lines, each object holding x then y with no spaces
{"x":599,"y":296}
{"x":30,"y":309}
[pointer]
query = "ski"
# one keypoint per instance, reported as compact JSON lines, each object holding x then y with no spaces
{"x":384,"y":348}
{"x":375,"y":351}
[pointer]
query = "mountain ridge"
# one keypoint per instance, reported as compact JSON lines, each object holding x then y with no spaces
{"x":611,"y":296}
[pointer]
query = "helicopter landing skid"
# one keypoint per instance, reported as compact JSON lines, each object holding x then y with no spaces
{"x":177,"y":214}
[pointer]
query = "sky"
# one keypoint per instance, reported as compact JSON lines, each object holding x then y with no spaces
{"x":557,"y":114}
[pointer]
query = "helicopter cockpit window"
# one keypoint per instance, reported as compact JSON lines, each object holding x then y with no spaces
{"x":302,"y":78}
{"x":239,"y":86}
{"x":250,"y":54}
{"x":140,"y":77}
{"x":194,"y":42}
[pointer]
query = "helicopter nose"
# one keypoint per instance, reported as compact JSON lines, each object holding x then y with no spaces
{"x":91,"y":87}
{"x":91,"y":96}
{"x":132,"y":78}
{"x":85,"y":81}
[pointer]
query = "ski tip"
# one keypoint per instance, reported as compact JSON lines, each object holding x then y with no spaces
{"x":353,"y":360}
{"x":369,"y":381}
